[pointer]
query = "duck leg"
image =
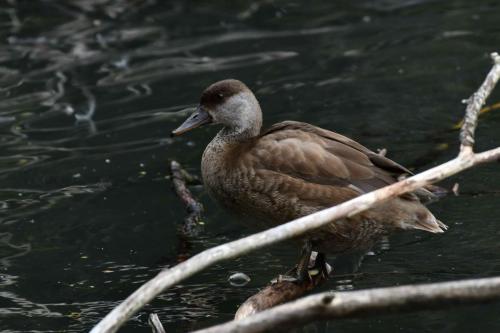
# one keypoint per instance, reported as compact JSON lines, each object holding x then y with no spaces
{"x":321,"y":265}
{"x":302,"y":270}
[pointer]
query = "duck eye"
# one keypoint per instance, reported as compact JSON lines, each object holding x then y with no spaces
{"x":220,"y":95}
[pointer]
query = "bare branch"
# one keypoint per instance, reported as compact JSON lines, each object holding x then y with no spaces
{"x":332,"y":305}
{"x":199,"y":262}
{"x":155,"y":323}
{"x":475,"y":103}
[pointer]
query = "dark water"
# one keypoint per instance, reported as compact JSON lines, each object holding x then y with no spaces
{"x":88,"y":95}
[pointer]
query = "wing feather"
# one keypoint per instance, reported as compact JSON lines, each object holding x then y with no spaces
{"x":324,"y":157}
{"x":321,"y":157}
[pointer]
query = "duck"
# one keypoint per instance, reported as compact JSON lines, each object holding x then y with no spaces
{"x":293,"y":169}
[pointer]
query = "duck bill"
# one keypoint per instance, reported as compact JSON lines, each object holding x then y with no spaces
{"x":198,"y":118}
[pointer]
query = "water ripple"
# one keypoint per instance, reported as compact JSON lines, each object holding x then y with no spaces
{"x":170,"y":67}
{"x":20,"y":204}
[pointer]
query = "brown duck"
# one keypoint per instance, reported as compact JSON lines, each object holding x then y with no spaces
{"x":294,"y":169}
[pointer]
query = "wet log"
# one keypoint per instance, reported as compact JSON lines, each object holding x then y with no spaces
{"x":276,"y":293}
{"x":279,"y":291}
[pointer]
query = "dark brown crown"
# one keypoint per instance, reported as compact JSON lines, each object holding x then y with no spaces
{"x":220,"y":91}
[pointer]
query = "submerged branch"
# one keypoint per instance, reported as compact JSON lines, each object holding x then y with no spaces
{"x":209,"y":257}
{"x":193,"y":207}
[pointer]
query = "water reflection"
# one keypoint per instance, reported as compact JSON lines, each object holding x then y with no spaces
{"x":90,"y":89}
{"x":19,"y":204}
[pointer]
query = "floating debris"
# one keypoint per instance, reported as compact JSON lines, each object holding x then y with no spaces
{"x":74,"y":315}
{"x":239,"y":279}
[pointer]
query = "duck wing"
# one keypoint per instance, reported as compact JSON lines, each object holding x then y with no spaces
{"x":323,"y":157}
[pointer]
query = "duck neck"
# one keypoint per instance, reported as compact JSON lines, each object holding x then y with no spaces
{"x":238,"y":134}
{"x":214,"y":163}
{"x":245,"y":127}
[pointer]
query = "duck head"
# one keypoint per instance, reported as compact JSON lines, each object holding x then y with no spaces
{"x":229,"y":103}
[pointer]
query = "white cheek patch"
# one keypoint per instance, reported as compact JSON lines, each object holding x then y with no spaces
{"x":236,"y":111}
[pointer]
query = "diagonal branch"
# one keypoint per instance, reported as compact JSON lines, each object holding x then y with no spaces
{"x":475,"y":103}
{"x":199,"y":262}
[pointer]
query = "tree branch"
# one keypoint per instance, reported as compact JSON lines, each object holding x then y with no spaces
{"x":155,"y":323}
{"x":332,"y":305}
{"x":475,"y":103}
{"x":193,"y":207}
{"x":199,"y":262}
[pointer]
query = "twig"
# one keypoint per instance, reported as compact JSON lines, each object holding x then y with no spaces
{"x":194,"y":208}
{"x":199,"y":262}
{"x":155,"y":323}
{"x":332,"y":305}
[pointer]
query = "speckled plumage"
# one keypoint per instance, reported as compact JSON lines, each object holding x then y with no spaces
{"x":294,"y":169}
